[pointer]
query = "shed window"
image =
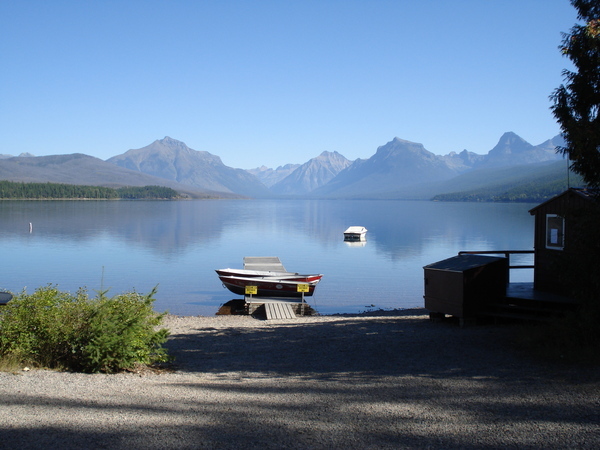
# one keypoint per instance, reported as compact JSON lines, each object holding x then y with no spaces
{"x":555,"y":232}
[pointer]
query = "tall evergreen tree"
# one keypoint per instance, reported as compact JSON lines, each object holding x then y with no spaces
{"x":577,"y":102}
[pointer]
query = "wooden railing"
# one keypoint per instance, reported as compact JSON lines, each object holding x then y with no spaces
{"x":506,"y":254}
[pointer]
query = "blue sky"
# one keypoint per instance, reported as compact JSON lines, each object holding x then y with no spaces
{"x":275,"y":82}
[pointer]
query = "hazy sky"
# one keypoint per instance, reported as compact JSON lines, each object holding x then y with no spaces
{"x":274,"y":82}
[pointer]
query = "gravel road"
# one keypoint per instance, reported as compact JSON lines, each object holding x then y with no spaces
{"x":392,"y":380}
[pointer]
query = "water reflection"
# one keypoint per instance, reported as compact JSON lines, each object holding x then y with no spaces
{"x":178,"y":244}
{"x":164,"y":227}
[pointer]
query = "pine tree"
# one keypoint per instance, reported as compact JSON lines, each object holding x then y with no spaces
{"x":577,"y":102}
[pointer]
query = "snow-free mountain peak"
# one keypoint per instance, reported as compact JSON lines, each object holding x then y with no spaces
{"x":311,"y":175}
{"x":510,"y":143}
{"x":512,"y":149}
{"x":403,"y":149}
{"x":174,"y":160}
{"x":269,"y":176}
{"x":398,"y":169}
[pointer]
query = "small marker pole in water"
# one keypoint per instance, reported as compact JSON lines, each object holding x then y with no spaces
{"x":30,"y":227}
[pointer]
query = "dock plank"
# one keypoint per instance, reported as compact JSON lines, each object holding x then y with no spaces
{"x":269,"y":311}
{"x":278,"y":310}
{"x":272,"y":263}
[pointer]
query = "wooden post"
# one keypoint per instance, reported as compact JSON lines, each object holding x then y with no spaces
{"x":302,"y":288}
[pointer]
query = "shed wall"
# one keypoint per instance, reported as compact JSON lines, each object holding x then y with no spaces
{"x":549,"y":262}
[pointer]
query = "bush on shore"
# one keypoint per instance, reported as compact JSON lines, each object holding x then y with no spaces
{"x":58,"y":330}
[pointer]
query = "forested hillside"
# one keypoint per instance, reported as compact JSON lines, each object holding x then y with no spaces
{"x":15,"y":190}
{"x":533,"y":190}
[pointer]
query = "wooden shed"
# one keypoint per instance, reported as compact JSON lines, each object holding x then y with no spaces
{"x":461,"y":286}
{"x":555,"y":237}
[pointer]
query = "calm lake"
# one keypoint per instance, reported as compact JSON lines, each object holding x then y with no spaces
{"x":177,"y":245}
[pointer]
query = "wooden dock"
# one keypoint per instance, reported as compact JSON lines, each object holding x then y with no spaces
{"x":524,"y":303}
{"x":279,"y":310}
{"x":275,"y":307}
{"x":521,"y":303}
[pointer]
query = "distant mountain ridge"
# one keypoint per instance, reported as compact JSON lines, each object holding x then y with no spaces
{"x":22,"y":155}
{"x":173,"y":160}
{"x":311,"y":175}
{"x":395,"y":164}
{"x":514,"y":150}
{"x":399,"y":169}
{"x":269,"y":176}
{"x":81,"y":169}
{"x":511,"y":149}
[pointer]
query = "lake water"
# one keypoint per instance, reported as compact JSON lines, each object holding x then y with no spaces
{"x":177,"y":245}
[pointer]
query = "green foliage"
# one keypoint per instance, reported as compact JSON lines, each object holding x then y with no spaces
{"x":576,"y":104}
{"x":59,"y":330}
{"x":147,"y":192}
{"x":121,"y":333}
{"x":532,"y":192}
{"x":14,"y":190}
{"x":528,"y":185}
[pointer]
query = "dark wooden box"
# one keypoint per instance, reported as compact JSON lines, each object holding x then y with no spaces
{"x":460,"y":286}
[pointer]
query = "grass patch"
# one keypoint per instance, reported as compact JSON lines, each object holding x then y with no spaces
{"x":10,"y":363}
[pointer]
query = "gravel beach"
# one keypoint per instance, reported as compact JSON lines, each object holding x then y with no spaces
{"x":383,"y":380}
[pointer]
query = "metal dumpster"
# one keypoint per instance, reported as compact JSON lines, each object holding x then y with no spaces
{"x":460,"y":286}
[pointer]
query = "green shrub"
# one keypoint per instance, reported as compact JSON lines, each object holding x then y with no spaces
{"x":59,"y":330}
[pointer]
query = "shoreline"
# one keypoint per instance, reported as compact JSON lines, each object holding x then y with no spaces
{"x":334,"y":381}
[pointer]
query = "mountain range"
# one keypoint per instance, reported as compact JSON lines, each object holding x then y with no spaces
{"x":399,"y":169}
{"x":81,"y":169}
{"x":173,"y":160}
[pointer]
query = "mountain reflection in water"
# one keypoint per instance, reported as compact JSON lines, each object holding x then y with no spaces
{"x":136,"y":245}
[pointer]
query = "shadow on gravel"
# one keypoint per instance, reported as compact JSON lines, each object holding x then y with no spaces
{"x":355,"y":382}
{"x":376,"y":346}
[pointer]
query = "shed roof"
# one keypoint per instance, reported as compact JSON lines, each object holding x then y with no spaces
{"x":584,"y":193}
{"x":462,"y":263}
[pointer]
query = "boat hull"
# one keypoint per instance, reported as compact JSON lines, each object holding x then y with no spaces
{"x":354,"y":237}
{"x":286,"y":276}
{"x":355,"y":234}
{"x":268,"y":286}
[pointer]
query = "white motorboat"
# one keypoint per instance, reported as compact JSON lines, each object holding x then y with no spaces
{"x":355,"y":233}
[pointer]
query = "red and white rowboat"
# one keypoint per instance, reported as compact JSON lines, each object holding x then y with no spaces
{"x":269,"y":277}
{"x":270,"y":286}
{"x":291,"y":276}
